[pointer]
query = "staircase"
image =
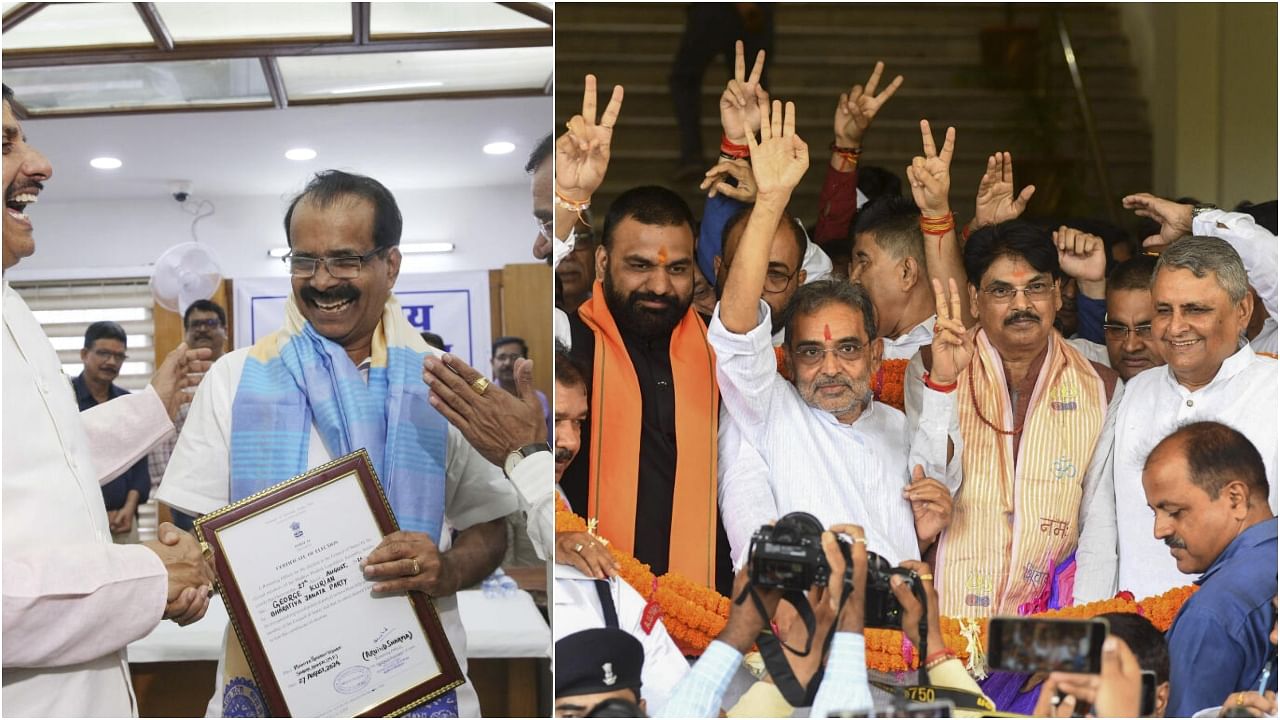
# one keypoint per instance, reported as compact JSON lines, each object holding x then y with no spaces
{"x":822,"y":50}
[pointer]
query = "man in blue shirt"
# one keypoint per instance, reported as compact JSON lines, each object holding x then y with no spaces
{"x":103,"y":354}
{"x":1208,"y":487}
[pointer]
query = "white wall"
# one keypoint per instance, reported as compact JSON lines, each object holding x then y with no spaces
{"x":490,"y":227}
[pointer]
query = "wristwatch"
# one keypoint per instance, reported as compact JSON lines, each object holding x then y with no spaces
{"x":515,"y":456}
{"x":1201,"y":208}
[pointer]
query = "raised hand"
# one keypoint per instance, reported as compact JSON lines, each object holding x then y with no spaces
{"x":779,"y":160}
{"x":931,"y":505}
{"x":952,"y":344}
{"x":495,"y":422}
{"x":740,"y":170}
{"x":930,"y":175}
{"x":996,"y":202}
{"x":1174,"y":218}
{"x":1081,"y":255}
{"x":582,"y":153}
{"x":859,"y":106}
{"x":739,"y":103}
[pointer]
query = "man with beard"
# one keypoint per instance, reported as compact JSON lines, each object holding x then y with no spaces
{"x":649,"y":478}
{"x":205,"y":326}
{"x":73,"y":600}
{"x":831,"y":450}
{"x":1030,"y":422}
{"x":105,"y":343}
{"x":588,"y":592}
{"x":1207,"y":485}
{"x":345,"y":372}
{"x":1200,"y":293}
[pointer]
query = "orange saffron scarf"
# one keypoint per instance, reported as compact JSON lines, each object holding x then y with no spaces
{"x":615,"y":440}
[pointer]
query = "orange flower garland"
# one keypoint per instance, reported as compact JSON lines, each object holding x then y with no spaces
{"x":694,"y":615}
{"x":887,"y":384}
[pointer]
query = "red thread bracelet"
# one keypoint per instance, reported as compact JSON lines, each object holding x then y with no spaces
{"x":929,"y":383}
{"x":738,"y":152}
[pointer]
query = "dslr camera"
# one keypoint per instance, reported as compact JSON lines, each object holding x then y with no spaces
{"x":788,"y":556}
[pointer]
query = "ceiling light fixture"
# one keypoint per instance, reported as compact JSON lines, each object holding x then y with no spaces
{"x":384,"y":87}
{"x":498,"y":148}
{"x":106,"y":163}
{"x":300,"y":154}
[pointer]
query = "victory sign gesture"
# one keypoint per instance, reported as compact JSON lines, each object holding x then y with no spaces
{"x":930,"y":175}
{"x":996,"y":202}
{"x":952,"y":344}
{"x":739,"y":104}
{"x":582,"y":153}
{"x":859,"y":106}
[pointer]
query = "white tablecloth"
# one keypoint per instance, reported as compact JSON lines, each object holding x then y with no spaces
{"x":508,"y":627}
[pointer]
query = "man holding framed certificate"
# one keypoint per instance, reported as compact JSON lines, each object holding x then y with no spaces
{"x":345,"y":373}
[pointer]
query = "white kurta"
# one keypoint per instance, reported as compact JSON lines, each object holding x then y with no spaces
{"x":197,"y":481}
{"x":1242,"y":395}
{"x":72,"y":599}
{"x":839,"y":473}
{"x":577,"y":608}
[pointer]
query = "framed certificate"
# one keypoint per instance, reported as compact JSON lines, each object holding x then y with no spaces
{"x":319,"y":641}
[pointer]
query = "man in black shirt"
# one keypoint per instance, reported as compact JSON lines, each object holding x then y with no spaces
{"x":104,"y":352}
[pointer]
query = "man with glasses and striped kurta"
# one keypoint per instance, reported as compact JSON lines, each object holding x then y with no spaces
{"x":1020,"y":419}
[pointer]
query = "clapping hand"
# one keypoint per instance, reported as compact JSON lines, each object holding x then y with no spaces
{"x":780,"y":159}
{"x":857,"y":108}
{"x":739,"y":103}
{"x":582,"y":153}
{"x":740,"y":170}
{"x":930,"y":174}
{"x":996,"y":202}
{"x":952,"y":344}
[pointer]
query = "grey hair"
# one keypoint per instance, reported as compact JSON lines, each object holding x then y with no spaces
{"x":813,"y":296}
{"x":1202,"y":255}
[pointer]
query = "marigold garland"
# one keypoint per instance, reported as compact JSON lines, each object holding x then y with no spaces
{"x":888,"y":383}
{"x":694,"y":615}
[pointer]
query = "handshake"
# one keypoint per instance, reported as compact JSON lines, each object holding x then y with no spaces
{"x":190,"y":576}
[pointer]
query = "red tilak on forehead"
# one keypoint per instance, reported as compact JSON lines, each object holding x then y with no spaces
{"x":826,"y":333}
{"x":662,"y":255}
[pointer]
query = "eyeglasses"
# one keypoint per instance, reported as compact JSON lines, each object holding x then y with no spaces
{"x":546,"y":228}
{"x":1116,"y":331}
{"x":775,"y":281}
{"x":209,"y":324}
{"x":1038,"y":290}
{"x":342,"y":268}
{"x":507,"y":358}
{"x":813,"y":354}
{"x":108,"y":355}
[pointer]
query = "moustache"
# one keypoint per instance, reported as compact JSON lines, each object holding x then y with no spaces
{"x":1019,"y":315}
{"x":337,"y":294}
{"x":833,"y":381}
{"x":1175,"y":543}
{"x":639,"y":297}
{"x":15,"y":190}
{"x":563,"y":455}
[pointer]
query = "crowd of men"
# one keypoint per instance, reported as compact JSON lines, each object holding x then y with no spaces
{"x":347,"y":371}
{"x":1074,"y":416}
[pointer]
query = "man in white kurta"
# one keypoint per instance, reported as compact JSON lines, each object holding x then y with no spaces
{"x":72,"y":599}
{"x":1241,"y":392}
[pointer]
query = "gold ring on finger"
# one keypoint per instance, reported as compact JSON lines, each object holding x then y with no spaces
{"x":860,"y":540}
{"x":417,"y":569}
{"x":480,"y":385}
{"x":578,"y":548}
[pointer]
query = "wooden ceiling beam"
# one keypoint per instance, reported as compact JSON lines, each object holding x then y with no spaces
{"x":155,"y":25}
{"x":537,"y":11}
{"x":477,"y":40}
{"x":21,"y":12}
